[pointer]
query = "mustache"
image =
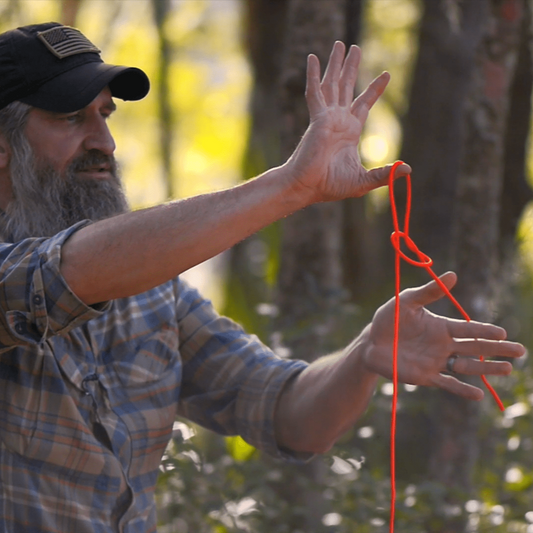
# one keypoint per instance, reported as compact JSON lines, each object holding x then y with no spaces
{"x":93,"y":158}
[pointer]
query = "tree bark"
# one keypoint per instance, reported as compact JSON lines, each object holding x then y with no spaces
{"x":161,"y":9}
{"x":309,"y":285}
{"x":247,"y":284}
{"x":361,"y":248}
{"x":433,"y":139}
{"x":69,"y":11}
{"x":310,"y":278}
{"x":516,"y":192}
{"x":264,"y":22}
{"x":476,"y":228}
{"x":433,"y":127}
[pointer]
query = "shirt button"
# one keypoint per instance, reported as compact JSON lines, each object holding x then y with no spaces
{"x":37,"y":299}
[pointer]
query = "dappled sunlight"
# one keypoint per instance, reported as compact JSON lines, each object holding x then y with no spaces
{"x":374,"y":148}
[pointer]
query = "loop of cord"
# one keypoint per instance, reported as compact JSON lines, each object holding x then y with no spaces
{"x":425,"y":262}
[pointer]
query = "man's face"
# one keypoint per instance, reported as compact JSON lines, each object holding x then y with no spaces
{"x":58,"y":139}
{"x":65,"y":172}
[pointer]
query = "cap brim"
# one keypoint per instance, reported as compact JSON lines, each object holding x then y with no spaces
{"x":75,"y":89}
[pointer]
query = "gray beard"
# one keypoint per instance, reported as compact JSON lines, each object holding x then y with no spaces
{"x":46,"y":202}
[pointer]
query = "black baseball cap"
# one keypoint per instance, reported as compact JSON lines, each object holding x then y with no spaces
{"x":56,"y":68}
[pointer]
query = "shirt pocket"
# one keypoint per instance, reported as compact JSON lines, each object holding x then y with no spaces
{"x":147,"y":360}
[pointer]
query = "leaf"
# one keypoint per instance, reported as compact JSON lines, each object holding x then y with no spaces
{"x":239,"y":449}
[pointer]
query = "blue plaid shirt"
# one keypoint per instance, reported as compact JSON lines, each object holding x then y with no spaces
{"x":88,"y":395}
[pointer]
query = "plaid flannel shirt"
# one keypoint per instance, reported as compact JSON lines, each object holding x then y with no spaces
{"x":88,"y":395}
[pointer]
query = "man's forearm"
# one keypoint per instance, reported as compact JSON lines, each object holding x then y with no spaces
{"x":325,"y":400}
{"x":136,"y":251}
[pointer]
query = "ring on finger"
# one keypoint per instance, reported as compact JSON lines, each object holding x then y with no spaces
{"x":450,"y":362}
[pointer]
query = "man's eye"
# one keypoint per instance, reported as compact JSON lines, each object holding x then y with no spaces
{"x":73,"y":118}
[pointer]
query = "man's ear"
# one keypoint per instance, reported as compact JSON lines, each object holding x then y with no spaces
{"x":5,"y":152}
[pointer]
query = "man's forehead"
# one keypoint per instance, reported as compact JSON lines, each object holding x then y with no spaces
{"x":105,"y":98}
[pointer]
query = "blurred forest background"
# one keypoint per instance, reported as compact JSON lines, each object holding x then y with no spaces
{"x":226,"y":103}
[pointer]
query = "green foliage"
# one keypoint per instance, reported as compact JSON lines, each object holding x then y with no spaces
{"x":239,"y":449}
{"x":208,"y":484}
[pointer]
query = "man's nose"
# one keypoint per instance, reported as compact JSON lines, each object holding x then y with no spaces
{"x":99,"y":137}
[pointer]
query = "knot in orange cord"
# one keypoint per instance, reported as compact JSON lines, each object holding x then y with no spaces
{"x":424,"y":261}
{"x":397,"y":234}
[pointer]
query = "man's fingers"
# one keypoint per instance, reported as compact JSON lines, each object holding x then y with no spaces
{"x":348,"y":77}
{"x":461,"y":329}
{"x":430,"y":292}
{"x":474,"y":367}
{"x":482,"y":346}
{"x":454,"y":386}
{"x":337,"y":85}
{"x":364,"y":102}
{"x":330,"y":82}
{"x":379,"y":176}
{"x":400,"y":171}
{"x":313,"y":92}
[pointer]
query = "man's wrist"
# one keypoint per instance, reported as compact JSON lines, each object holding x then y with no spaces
{"x":361,"y":352}
{"x":296,"y":192}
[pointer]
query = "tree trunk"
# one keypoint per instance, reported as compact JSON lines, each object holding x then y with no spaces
{"x":69,"y":11}
{"x":309,"y":287}
{"x":433,"y":126}
{"x":516,"y":192}
{"x":264,"y":22}
{"x":161,"y":9}
{"x":310,"y":281}
{"x":433,"y":138}
{"x":476,"y":228}
{"x":247,"y":284}
{"x":360,"y":247}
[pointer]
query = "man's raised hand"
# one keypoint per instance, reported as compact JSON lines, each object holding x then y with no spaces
{"x":326,"y":164}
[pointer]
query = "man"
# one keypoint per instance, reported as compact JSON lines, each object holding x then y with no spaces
{"x":102,"y":344}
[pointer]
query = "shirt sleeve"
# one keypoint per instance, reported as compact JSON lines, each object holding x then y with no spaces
{"x":231,"y":381}
{"x":35,"y":300}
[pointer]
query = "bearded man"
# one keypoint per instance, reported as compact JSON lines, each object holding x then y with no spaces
{"x":102,"y":344}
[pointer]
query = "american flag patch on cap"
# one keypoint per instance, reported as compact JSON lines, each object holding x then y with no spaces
{"x":64,"y":41}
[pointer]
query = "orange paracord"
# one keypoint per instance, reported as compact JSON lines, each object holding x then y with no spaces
{"x":424,"y":262}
